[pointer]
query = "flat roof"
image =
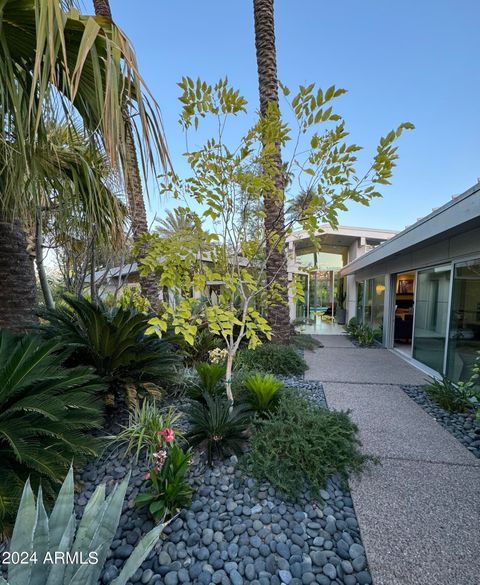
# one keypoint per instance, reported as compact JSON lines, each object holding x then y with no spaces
{"x":461,"y":209}
{"x":342,"y":236}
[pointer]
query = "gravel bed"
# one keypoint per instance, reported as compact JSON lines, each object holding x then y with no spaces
{"x":237,"y":531}
{"x":461,"y":425}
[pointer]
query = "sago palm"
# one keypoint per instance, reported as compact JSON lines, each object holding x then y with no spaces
{"x":112,"y":341}
{"x":46,"y":415}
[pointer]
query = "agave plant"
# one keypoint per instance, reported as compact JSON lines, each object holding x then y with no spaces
{"x":222,"y":427}
{"x":38,"y":537}
{"x":111,"y":340}
{"x":263,"y":390}
{"x":46,"y":415}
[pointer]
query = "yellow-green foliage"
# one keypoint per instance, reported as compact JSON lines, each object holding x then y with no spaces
{"x":228,"y":188}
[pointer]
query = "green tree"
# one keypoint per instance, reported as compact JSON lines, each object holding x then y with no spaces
{"x":73,"y":184}
{"x":226,"y":185}
{"x":60,"y":64}
{"x":136,"y":202}
{"x":180,"y":220}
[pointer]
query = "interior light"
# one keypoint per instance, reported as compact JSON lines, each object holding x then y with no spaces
{"x":380,"y":289}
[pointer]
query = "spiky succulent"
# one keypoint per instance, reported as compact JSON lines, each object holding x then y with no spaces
{"x":37,"y":534}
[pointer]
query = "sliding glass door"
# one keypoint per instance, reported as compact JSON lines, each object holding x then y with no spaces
{"x":464,"y":336}
{"x":431,"y":316}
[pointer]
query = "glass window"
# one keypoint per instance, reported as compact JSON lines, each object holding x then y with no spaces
{"x":464,"y":337}
{"x":431,"y":316}
{"x":360,"y":294}
{"x":378,"y":300}
{"x":367,"y":316}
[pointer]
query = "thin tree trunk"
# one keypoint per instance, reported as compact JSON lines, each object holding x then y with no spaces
{"x":17,"y":278}
{"x":276,"y":267}
{"x":228,"y":377}
{"x":138,"y":214}
{"x":42,"y":275}
{"x":93,"y":269}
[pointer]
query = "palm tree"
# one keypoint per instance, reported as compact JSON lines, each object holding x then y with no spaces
{"x":136,"y":203}
{"x":180,"y":220}
{"x":76,"y":192}
{"x":276,"y":265}
{"x":79,"y":69}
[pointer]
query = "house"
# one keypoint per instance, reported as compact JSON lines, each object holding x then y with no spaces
{"x":318,"y":267}
{"x":421,"y":288}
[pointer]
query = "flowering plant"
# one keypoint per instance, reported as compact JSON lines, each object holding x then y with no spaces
{"x":167,"y":490}
{"x":217,"y":355}
{"x":168,"y":434}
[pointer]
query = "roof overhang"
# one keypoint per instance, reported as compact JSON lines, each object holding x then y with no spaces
{"x":339,"y":238}
{"x":453,"y":216}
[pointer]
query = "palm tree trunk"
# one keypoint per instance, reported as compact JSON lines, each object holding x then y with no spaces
{"x":276,"y":267}
{"x":102,"y":8}
{"x":17,"y":278}
{"x":136,"y":203}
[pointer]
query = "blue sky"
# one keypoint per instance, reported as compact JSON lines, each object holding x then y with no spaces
{"x":416,"y":61}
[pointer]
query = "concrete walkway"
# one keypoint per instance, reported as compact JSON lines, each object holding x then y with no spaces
{"x":419,"y":511}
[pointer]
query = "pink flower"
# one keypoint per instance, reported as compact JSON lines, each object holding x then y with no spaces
{"x":167,"y":434}
{"x":147,"y":475}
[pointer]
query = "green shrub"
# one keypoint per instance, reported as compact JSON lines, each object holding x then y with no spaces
{"x":208,"y":380}
{"x":304,"y":341}
{"x":352,"y":326}
{"x":112,"y":341}
{"x":239,"y":378}
{"x":37,"y":533}
{"x":168,"y":490}
{"x":222,"y":428}
{"x":272,"y":358}
{"x":145,"y":424}
{"x":210,"y":377}
{"x":205,"y":341}
{"x":264,"y":391}
{"x":46,"y":415}
{"x":302,"y":445}
{"x":362,"y":333}
{"x":450,"y":396}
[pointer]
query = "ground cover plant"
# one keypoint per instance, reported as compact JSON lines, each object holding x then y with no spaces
{"x":301,"y":445}
{"x":303,"y":341}
{"x":272,"y":358}
{"x":46,"y":415}
{"x":39,"y":536}
{"x":112,"y":340}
